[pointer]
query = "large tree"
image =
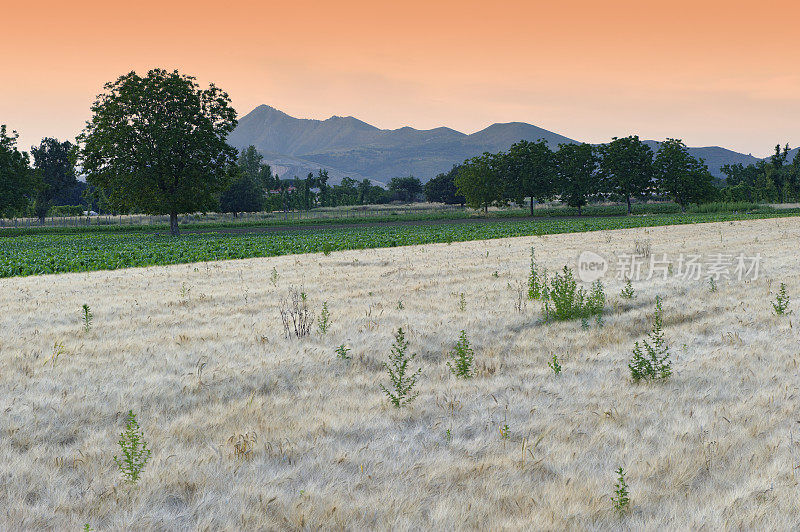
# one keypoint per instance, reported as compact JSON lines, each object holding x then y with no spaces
{"x":243,"y":194}
{"x":576,"y":167}
{"x":54,"y":162}
{"x":480,"y":181}
{"x":157,"y":144}
{"x":16,"y":179}
{"x":627,"y":166}
{"x":530,"y":168}
{"x":684,"y":178}
{"x":442,"y":188}
{"x":251,"y":164}
{"x":405,"y":188}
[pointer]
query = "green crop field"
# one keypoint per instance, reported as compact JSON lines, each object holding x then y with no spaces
{"x":61,"y":253}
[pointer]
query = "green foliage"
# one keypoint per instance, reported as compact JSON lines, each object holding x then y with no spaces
{"x":243,"y":194}
{"x":653,"y":362}
{"x":555,"y":365}
{"x":16,"y":178}
{"x":66,"y":210}
{"x":712,"y":285}
{"x":505,"y":432}
{"x":405,"y":188}
{"x":461,"y":358}
{"x":54,"y":162}
{"x":627,"y":168}
{"x":681,"y":176}
{"x":135,"y":453}
{"x":402,"y":380}
{"x":87,"y":317}
{"x":184,"y":129}
{"x":628,"y":291}
{"x":273,"y":277}
{"x":324,"y":320}
{"x":462,"y":302}
{"x":251,"y":165}
{"x":536,"y":282}
{"x":621,"y":498}
{"x":529,"y":171}
{"x":78,"y":251}
{"x":563,"y":299}
{"x":341,"y":352}
{"x":442,"y":189}
{"x":400,"y":305}
{"x":577,"y":180}
{"x":480,"y":181}
{"x":781,"y":303}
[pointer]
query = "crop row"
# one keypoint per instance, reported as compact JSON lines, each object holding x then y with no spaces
{"x":57,"y":253}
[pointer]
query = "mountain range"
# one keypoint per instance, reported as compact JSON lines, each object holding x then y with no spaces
{"x":348,"y":147}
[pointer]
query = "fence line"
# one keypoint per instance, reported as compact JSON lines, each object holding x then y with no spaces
{"x":188,"y":219}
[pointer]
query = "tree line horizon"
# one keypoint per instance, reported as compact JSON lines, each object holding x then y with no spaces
{"x":157,"y":144}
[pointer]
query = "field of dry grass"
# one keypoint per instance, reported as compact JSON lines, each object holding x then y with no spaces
{"x":198,"y":352}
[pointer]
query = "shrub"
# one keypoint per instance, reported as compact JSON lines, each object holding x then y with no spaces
{"x":628,"y":292}
{"x":135,"y":453}
{"x":535,"y":281}
{"x":653,"y":363}
{"x":401,"y":381}
{"x":565,"y":300}
{"x":324,"y":321}
{"x":462,"y":302}
{"x":461,"y":358}
{"x":781,"y":301}
{"x":341,"y":352}
{"x":87,"y":317}
{"x":712,"y":285}
{"x":555,"y":365}
{"x":621,"y":499}
{"x":296,"y":316}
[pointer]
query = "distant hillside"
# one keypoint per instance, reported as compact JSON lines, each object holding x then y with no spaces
{"x":348,"y":147}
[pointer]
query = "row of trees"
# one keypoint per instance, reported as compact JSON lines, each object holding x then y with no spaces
{"x":35,"y":186}
{"x":157,"y":144}
{"x":254,"y":188}
{"x":774,"y":180}
{"x":624,"y":169}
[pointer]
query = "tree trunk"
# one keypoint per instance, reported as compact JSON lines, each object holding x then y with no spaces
{"x":579,"y":210}
{"x":628,"y":199}
{"x":485,"y":208}
{"x":173,"y":224}
{"x":532,"y":205}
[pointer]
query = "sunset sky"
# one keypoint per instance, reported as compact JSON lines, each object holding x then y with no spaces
{"x":712,"y":73}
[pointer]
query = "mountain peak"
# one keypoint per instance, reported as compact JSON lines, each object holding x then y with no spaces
{"x":349,"y":147}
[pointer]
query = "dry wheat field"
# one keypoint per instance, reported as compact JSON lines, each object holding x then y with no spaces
{"x":252,"y":430}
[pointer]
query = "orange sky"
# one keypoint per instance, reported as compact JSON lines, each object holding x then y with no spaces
{"x":723,"y":73}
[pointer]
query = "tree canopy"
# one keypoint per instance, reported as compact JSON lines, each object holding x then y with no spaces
{"x":442,"y":188}
{"x":681,"y":176}
{"x":157,"y":144}
{"x":627,"y":167}
{"x":577,"y":174}
{"x":54,"y":162}
{"x":480,"y":181}
{"x":530,"y":168}
{"x":405,"y":188}
{"x":16,"y":178}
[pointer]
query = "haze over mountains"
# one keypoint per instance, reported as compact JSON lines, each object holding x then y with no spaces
{"x":348,"y":147}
